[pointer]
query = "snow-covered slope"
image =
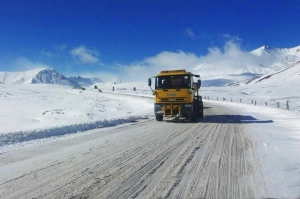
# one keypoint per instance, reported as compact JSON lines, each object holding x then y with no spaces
{"x":290,"y":75}
{"x":281,"y":56}
{"x":19,"y":77}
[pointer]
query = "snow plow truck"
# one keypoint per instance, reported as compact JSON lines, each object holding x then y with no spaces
{"x":176,"y":94}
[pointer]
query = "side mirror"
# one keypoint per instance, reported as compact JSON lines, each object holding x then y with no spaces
{"x":199,"y":83}
{"x":149,"y":82}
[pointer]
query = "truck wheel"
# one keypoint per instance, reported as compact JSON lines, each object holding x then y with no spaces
{"x":193,"y":119}
{"x":201,"y":112}
{"x":159,"y":118}
{"x":194,"y":116}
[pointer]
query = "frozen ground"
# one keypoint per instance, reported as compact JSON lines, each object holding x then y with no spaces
{"x":30,"y":112}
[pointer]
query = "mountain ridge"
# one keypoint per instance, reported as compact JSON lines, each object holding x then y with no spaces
{"x":289,"y":74}
{"x":45,"y":76}
{"x":234,"y":65}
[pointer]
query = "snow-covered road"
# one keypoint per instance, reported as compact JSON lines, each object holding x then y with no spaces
{"x":214,"y":158}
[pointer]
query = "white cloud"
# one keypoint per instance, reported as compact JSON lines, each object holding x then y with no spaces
{"x":62,"y":47}
{"x":85,"y":55}
{"x":230,"y":38}
{"x":190,"y":33}
{"x":142,"y":70}
{"x":230,"y":59}
{"x":46,"y":53}
{"x":103,"y":75}
{"x":23,"y":64}
{"x":57,"y":52}
{"x":199,"y":35}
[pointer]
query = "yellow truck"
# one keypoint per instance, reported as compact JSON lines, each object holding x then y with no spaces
{"x":177,"y":95}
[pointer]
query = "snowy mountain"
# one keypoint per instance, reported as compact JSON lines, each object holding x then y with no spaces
{"x":46,"y":76}
{"x":86,"y":81}
{"x":290,"y":75}
{"x":235,"y":65}
{"x":50,"y":76}
{"x":281,"y":57}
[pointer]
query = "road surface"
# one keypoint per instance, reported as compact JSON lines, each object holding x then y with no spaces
{"x":213,"y":158}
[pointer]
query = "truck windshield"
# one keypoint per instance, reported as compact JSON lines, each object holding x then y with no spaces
{"x":172,"y":81}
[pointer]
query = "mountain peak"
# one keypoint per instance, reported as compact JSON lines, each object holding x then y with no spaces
{"x":35,"y":76}
{"x":51,"y":76}
{"x":277,"y":51}
{"x":268,"y":48}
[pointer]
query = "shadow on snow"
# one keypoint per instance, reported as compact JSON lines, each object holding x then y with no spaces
{"x":237,"y":119}
{"x":226,"y":118}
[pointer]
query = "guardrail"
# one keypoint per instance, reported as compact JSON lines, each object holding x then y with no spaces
{"x":282,"y":104}
{"x":130,"y":94}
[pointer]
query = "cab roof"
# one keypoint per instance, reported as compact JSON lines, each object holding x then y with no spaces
{"x":173,"y":72}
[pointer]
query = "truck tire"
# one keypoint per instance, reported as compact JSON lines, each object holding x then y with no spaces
{"x":159,"y":118}
{"x":195,"y":115}
{"x":200,"y":114}
{"x":193,"y":119}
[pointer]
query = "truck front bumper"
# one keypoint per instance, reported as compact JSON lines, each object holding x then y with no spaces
{"x":173,"y":109}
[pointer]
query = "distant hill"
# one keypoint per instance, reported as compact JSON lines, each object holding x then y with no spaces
{"x":86,"y":81}
{"x":240,"y":65}
{"x":51,"y":76}
{"x":290,"y":74}
{"x":45,"y":76}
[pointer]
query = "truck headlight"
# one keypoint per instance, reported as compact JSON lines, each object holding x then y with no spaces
{"x":188,"y":105}
{"x":158,"y":107}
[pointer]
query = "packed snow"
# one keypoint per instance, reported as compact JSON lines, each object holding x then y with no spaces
{"x":278,"y":142}
{"x":32,"y":112}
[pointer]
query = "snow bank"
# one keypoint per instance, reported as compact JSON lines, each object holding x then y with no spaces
{"x":21,"y":136}
{"x":278,"y":145}
{"x":38,"y":111}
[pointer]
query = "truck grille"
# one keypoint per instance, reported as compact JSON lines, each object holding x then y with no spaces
{"x":172,"y":100}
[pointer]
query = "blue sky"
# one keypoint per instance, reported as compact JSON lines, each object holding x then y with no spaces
{"x":106,"y":37}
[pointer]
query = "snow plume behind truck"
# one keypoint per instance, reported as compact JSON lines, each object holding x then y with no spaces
{"x":177,"y":95}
